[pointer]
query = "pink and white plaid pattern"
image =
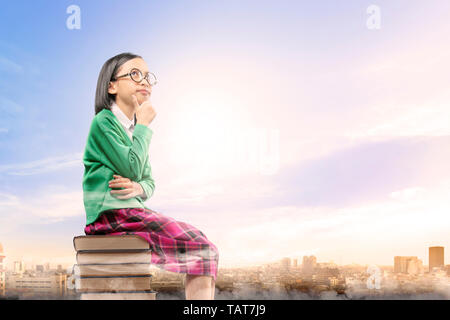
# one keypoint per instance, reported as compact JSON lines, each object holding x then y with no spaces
{"x":176,"y":246}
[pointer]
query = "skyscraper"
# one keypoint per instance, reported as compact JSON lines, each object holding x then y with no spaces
{"x":285,"y":263}
{"x":410,"y":265}
{"x":309,"y":264}
{"x":19,"y":267}
{"x":436,"y":257}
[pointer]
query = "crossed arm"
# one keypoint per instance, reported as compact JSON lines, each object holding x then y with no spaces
{"x":143,"y":189}
{"x":131,"y":188}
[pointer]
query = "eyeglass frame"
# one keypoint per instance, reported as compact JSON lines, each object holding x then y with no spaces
{"x":143,"y":77}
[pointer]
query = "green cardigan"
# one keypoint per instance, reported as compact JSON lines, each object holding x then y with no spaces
{"x":110,"y":151}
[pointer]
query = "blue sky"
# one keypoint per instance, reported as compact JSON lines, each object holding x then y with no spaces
{"x":360,"y":116}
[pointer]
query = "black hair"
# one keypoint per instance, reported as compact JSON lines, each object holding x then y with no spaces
{"x":103,"y":99}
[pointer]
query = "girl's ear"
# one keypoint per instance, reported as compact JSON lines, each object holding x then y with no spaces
{"x":112,"y":88}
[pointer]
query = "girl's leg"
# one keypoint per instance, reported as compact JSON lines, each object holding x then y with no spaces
{"x":213,"y":288}
{"x":198,"y":287}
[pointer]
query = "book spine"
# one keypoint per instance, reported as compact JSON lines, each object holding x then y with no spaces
{"x":113,"y":250}
{"x":119,"y":276}
{"x":110,"y":264}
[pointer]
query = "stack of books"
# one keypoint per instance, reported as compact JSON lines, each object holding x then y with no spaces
{"x":113,"y":267}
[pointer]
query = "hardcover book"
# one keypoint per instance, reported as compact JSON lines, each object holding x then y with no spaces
{"x":110,"y":243}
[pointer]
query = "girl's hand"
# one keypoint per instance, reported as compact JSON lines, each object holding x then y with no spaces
{"x":132,"y":189}
{"x":144,"y":112}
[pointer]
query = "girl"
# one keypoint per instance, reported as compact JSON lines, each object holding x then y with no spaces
{"x":118,"y":179}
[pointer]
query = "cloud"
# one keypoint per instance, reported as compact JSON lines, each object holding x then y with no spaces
{"x":8,"y":199}
{"x":408,"y":193}
{"x":48,"y":205}
{"x":10,"y":107}
{"x":391,"y":121}
{"x":43,"y":165}
{"x":364,"y":172}
{"x":10,"y":66}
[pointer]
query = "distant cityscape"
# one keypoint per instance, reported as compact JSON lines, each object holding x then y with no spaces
{"x":284,"y":279}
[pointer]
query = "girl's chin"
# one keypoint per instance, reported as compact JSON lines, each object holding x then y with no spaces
{"x":141,"y":99}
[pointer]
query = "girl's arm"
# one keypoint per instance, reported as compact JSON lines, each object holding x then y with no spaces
{"x":142,"y":189}
{"x":127,"y":161}
{"x":147,"y":182}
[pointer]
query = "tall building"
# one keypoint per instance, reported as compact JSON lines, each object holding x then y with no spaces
{"x":2,"y":272}
{"x":285,"y":264}
{"x":309,"y":264}
{"x":294,"y":263}
{"x":415,"y":266}
{"x":435,"y":258}
{"x":19,"y":267}
{"x":409,"y":265}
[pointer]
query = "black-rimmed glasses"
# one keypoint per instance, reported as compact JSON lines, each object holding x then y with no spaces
{"x":137,"y":76}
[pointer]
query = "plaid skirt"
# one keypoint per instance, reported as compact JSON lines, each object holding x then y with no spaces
{"x":176,"y":246}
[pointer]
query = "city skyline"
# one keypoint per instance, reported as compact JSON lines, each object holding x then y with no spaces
{"x":285,"y":279}
{"x":10,"y":263}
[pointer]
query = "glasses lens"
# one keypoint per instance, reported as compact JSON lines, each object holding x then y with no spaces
{"x":151,"y":78}
{"x":136,"y":75}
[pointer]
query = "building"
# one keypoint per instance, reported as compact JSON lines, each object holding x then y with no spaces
{"x":415,"y":266}
{"x":40,"y":284}
{"x":39,"y":268}
{"x":2,"y":272}
{"x":408,"y":264}
{"x":285,"y":264}
{"x":309,"y":264}
{"x":435,"y":258}
{"x":19,"y":267}
{"x":334,"y":281}
{"x":326,"y":276}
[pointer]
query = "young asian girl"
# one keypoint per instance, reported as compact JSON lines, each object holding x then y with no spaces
{"x":118,"y":178}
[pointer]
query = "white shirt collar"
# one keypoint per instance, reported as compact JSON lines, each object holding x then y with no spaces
{"x":127,"y":123}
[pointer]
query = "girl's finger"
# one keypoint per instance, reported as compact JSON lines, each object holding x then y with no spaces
{"x":120,"y":180}
{"x":126,"y":185}
{"x":123,"y":191}
{"x":115,"y":182}
{"x":135,"y":101}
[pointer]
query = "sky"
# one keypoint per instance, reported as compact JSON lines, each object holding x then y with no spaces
{"x":283,"y":129}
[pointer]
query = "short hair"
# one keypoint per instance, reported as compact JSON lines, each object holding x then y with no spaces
{"x":103,"y":99}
